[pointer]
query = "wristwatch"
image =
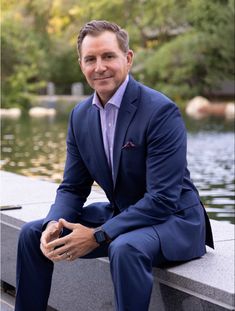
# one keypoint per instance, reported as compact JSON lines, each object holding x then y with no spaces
{"x":100,"y":236}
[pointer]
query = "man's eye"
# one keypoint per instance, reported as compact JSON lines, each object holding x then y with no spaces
{"x":109,"y":56}
{"x":89,"y":60}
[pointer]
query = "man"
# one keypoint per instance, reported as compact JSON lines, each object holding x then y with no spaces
{"x":131,"y":140}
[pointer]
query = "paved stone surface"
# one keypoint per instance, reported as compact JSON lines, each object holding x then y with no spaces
{"x":211,"y":276}
{"x":222,"y":231}
{"x":22,"y":189}
{"x":33,"y":195}
{"x":7,"y":302}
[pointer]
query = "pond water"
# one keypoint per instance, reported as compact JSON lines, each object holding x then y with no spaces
{"x":36,"y":147}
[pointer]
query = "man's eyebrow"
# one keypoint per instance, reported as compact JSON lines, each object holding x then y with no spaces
{"x":108,"y":53}
{"x":88,"y":56}
{"x":104,"y":53}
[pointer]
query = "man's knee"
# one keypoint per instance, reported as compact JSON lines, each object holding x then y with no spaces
{"x":120,"y":249}
{"x":30,"y":231}
{"x":140,"y":245}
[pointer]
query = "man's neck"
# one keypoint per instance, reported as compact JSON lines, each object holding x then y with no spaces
{"x":104,"y":101}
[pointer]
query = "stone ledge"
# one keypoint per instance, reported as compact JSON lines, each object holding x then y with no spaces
{"x":203,"y":284}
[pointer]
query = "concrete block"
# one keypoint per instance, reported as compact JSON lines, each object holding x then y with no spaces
{"x":210,"y":278}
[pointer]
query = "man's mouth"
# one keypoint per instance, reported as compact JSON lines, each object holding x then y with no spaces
{"x":101,"y":78}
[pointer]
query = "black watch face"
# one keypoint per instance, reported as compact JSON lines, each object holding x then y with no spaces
{"x":100,"y":236}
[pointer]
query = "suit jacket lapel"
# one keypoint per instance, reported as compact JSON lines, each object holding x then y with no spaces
{"x":98,"y":148}
{"x":126,"y":113}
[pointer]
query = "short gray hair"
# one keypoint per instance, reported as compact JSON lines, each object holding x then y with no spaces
{"x":96,"y":27}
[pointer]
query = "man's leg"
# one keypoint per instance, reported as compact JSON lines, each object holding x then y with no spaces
{"x":132,"y":256}
{"x":34,"y":270}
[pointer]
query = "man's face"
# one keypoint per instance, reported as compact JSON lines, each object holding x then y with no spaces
{"x":104,"y":64}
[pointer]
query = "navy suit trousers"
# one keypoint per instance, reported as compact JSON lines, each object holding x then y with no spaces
{"x":132,"y":256}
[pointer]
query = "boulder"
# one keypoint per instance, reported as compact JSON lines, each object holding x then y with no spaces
{"x":41,"y":112}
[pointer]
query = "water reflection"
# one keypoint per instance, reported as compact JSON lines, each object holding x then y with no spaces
{"x":36,"y":147}
{"x":211,"y":162}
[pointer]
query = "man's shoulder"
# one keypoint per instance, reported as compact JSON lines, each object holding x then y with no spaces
{"x":81,"y":108}
{"x":81,"y":111}
{"x":151,"y":95}
{"x":84,"y":104}
{"x":154,"y":100}
{"x":155,"y":95}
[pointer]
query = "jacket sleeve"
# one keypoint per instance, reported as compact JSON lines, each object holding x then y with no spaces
{"x":165,"y":170}
{"x":76,"y":185}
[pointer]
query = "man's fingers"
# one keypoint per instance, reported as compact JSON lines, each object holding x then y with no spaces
{"x":55,"y":256}
{"x":60,"y":226}
{"x":57,"y":243}
{"x":52,"y":232}
{"x":45,"y":238}
{"x":60,"y":249}
{"x":66,"y":224}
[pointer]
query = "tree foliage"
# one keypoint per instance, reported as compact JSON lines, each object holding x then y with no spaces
{"x":199,"y":58}
{"x":23,"y":62}
{"x":182,"y":48}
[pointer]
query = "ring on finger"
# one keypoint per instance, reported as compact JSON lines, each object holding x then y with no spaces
{"x":69,"y":256}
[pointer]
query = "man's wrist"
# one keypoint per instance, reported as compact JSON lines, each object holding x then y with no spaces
{"x":101,"y":236}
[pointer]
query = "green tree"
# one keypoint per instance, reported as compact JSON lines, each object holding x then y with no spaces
{"x":182,"y":48}
{"x":214,"y":22}
{"x":23,"y":62}
{"x":196,"y":61}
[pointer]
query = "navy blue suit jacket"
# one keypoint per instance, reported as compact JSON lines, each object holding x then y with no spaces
{"x":151,"y":185}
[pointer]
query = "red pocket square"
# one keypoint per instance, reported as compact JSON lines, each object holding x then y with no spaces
{"x":128,"y":145}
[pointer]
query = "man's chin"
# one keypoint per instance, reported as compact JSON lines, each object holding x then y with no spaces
{"x":103,"y":82}
{"x":105,"y":88}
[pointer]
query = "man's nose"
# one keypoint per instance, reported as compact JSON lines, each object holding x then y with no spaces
{"x":100,"y":66}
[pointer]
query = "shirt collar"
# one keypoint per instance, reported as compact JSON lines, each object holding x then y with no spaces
{"x":116,"y":99}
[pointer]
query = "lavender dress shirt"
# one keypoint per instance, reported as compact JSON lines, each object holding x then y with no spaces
{"x":108,"y":119}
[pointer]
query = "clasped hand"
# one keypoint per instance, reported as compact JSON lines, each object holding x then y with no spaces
{"x":78,"y":243}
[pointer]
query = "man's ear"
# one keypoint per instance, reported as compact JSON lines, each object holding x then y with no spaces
{"x":80,"y":63}
{"x":130,"y":57}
